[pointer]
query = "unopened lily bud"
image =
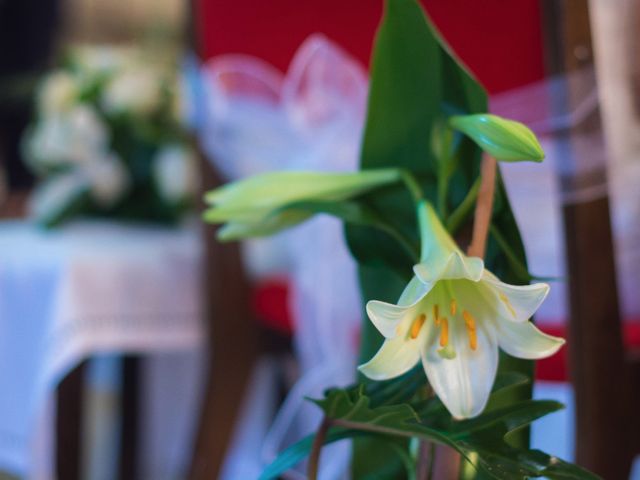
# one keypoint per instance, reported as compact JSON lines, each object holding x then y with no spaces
{"x":505,"y":140}
{"x":252,"y":206}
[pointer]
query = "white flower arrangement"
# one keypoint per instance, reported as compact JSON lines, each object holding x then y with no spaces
{"x":107,"y":140}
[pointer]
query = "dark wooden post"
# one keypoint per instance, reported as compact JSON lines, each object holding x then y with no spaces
{"x":128,"y":461}
{"x":234,"y":337}
{"x":69,"y":424}
{"x":234,"y":348}
{"x":597,"y":363}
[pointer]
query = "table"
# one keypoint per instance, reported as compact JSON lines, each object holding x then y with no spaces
{"x":91,"y":287}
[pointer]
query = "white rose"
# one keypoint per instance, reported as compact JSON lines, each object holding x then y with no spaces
{"x":57,"y":93}
{"x":56,"y":195}
{"x":69,"y":137}
{"x":175,"y":171}
{"x":135,"y":90}
{"x":98,"y":60}
{"x":108,"y":179}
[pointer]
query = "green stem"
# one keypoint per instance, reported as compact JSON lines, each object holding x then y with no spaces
{"x":443,"y":187}
{"x":460,"y":214}
{"x":412,"y":185}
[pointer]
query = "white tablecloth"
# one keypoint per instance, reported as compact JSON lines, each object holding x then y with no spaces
{"x":90,"y":287}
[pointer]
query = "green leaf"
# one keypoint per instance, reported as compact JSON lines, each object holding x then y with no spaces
{"x":479,"y":440}
{"x":506,"y":140}
{"x":297,"y":452}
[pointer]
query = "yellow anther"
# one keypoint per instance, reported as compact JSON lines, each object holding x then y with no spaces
{"x":470,"y":323}
{"x":436,"y":312}
{"x":453,"y":306}
{"x":473,"y":339}
{"x":444,"y":332}
{"x":417,"y":325}
{"x":507,"y":304}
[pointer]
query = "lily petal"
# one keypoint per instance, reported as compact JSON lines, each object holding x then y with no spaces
{"x":441,"y":259}
{"x":387,"y":317}
{"x":455,"y":266}
{"x":268,"y":225}
{"x":395,"y":357}
{"x":464,"y":382}
{"x":516,"y":303}
{"x":524,"y":340}
{"x":415,"y":291}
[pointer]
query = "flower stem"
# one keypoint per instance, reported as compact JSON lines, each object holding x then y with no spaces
{"x":459,"y":215}
{"x":443,"y":187}
{"x":484,"y":207}
{"x":412,"y":185}
{"x":316,"y":448}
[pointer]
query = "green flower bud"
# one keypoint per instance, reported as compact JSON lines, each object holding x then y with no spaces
{"x":252,"y":206}
{"x":505,"y":140}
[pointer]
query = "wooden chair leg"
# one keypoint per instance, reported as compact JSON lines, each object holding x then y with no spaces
{"x":129,"y":415}
{"x":598,"y":368}
{"x":234,"y":349}
{"x":69,"y":425}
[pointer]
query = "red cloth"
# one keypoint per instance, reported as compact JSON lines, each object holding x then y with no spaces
{"x":500,"y":41}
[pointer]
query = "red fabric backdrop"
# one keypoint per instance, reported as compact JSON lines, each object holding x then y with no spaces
{"x":500,"y":40}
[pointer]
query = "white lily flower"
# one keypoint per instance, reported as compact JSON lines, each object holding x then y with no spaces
{"x":453,"y":315}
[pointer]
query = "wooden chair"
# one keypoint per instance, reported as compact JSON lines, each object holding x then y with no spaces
{"x":605,"y":382}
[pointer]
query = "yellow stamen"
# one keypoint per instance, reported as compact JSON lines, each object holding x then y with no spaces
{"x":444,"y":332}
{"x":470,"y":323}
{"x":453,"y":306}
{"x":507,"y":304}
{"x":417,"y":325}
{"x":473,"y":339}
{"x":436,"y":315}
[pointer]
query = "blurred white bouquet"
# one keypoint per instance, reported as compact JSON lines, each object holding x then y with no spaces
{"x":109,"y":139}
